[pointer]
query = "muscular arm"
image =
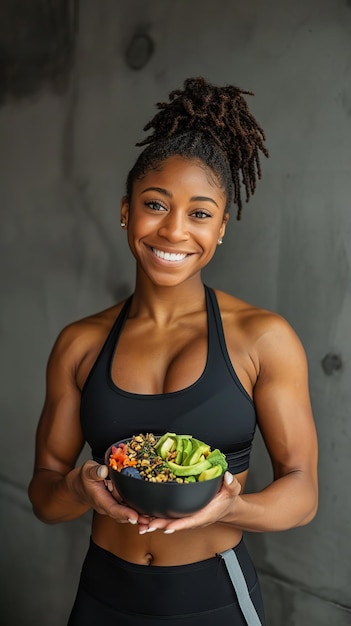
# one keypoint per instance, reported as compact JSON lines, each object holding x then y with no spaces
{"x":59,"y":491}
{"x":285,"y":418}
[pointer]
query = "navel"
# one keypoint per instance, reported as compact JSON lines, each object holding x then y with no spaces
{"x":148,"y":558}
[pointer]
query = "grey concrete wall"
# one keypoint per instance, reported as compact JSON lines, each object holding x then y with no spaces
{"x":63,"y":161}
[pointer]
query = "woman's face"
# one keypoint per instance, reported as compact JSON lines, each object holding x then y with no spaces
{"x":175,"y":218}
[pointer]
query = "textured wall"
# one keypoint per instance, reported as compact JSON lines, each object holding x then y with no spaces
{"x":63,"y":161}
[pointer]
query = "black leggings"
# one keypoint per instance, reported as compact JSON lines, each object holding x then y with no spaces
{"x":113,"y":592}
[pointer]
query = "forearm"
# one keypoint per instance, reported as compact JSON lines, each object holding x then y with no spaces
{"x":288,"y":502}
{"x":56,"y":497}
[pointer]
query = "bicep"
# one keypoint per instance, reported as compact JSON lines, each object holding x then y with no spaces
{"x":59,"y":438}
{"x":283,"y":403}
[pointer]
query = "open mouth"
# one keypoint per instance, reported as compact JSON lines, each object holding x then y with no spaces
{"x":173,"y":257}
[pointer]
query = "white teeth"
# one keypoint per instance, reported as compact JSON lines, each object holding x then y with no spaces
{"x":167,"y":256}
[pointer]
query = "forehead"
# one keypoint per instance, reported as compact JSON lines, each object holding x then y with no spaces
{"x":183,"y":173}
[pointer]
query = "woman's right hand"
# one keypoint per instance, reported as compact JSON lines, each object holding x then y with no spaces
{"x":95,"y":489}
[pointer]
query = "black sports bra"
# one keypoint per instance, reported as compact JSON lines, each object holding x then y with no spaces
{"x":216,"y":408}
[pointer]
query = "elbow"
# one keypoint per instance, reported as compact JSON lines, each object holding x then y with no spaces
{"x":311,"y":512}
{"x":40,"y":510}
{"x":308,"y":497}
{"x":307,"y":519}
{"x":42,"y":516}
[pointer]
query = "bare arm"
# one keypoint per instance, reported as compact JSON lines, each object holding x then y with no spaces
{"x":285,"y":418}
{"x":59,"y":491}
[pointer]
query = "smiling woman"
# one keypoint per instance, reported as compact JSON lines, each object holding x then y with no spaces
{"x":178,"y":356}
{"x":169,"y":225}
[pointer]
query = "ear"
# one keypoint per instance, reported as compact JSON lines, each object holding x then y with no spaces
{"x":124,"y":210}
{"x":223,"y":225}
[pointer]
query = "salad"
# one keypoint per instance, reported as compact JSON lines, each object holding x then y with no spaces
{"x":169,"y":458}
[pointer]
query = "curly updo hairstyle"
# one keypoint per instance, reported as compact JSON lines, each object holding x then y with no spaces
{"x":213,"y":125}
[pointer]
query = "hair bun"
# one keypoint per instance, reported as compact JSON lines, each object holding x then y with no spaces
{"x":221,"y":114}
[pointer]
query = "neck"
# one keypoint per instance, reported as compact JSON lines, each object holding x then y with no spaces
{"x":166,"y":304}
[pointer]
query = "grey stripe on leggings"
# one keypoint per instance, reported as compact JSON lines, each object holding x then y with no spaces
{"x":240,"y":586}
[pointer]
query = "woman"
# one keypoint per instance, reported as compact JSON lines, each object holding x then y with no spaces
{"x":178,"y":356}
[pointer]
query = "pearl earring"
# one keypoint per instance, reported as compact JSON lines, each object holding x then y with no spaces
{"x":220,"y":241}
{"x":123,"y":225}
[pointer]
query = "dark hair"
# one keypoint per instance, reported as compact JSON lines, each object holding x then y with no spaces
{"x":213,"y":125}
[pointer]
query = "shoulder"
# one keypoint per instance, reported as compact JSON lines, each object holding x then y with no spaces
{"x":266,"y":334}
{"x":78,"y":338}
{"x":239,"y":312}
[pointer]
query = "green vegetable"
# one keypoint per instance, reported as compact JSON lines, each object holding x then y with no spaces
{"x":212,"y":472}
{"x":167,"y":446}
{"x":179,"y":449}
{"x":187,"y":448}
{"x":199,"y":449}
{"x":188,"y":470}
{"x":190,"y":457}
{"x":216,"y":457}
{"x":163,"y":439}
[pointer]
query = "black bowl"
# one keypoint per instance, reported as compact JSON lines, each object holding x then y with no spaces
{"x":162,"y":499}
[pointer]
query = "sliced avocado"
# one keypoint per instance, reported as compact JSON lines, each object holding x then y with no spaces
{"x":199,"y":449}
{"x":179,"y":448}
{"x":187,"y":448}
{"x":162,"y":439}
{"x":212,"y":472}
{"x":188,"y":470}
{"x":168,"y":446}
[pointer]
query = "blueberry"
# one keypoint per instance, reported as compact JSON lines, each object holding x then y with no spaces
{"x":131,"y":471}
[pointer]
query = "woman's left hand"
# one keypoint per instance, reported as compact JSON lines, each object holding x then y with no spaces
{"x":211,"y":513}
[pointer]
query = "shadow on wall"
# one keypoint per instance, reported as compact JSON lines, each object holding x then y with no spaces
{"x":37,"y":40}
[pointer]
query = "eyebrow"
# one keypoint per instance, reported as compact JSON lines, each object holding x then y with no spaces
{"x":167,"y":193}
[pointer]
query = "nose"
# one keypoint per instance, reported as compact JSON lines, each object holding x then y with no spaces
{"x":174,"y":227}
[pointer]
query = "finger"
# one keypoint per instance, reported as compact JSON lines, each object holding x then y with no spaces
{"x":206,"y":516}
{"x":151,"y":526}
{"x":185,"y":523}
{"x":145,"y":519}
{"x":121,"y":513}
{"x":233,"y":484}
{"x":108,"y":485}
{"x":143,"y":528}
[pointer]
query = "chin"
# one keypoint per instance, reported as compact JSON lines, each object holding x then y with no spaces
{"x":167,"y":283}
{"x":169,"y":280}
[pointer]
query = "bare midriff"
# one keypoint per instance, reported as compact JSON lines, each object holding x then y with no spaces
{"x":158,"y":548}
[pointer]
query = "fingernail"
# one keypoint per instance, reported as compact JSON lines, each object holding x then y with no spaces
{"x":151,"y":530}
{"x":168,"y":532}
{"x":132,"y":521}
{"x":101,"y":471}
{"x":228,"y":478}
{"x":142,"y":532}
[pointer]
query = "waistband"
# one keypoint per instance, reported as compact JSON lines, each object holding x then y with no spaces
{"x":163,"y":590}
